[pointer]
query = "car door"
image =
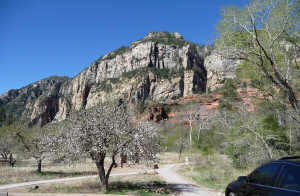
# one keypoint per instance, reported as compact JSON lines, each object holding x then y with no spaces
{"x":287,"y":184}
{"x":261,"y":178}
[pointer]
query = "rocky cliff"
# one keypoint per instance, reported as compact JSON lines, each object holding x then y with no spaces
{"x":161,"y":67}
{"x":36,"y":103}
{"x":218,"y":70}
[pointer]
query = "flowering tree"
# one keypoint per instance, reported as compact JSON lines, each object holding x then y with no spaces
{"x":107,"y":130}
{"x":35,"y":142}
{"x":7,"y":144}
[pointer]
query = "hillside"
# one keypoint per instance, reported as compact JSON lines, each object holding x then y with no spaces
{"x":161,"y":67}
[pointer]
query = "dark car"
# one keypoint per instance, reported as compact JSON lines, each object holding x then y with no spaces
{"x":276,"y":178}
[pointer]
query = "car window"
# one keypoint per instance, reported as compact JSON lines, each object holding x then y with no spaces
{"x":264,"y":175}
{"x":289,"y":177}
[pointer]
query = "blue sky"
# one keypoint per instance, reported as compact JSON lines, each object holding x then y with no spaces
{"x":41,"y":38}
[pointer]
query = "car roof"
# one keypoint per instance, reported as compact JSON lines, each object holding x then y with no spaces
{"x":294,"y":160}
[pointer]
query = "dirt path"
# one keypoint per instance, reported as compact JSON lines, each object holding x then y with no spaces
{"x":10,"y":186}
{"x":178,"y":184}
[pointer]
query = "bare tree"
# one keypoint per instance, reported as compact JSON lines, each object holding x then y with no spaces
{"x":177,"y":135}
{"x":250,"y":134}
{"x":107,"y":130}
{"x":265,"y":35}
{"x":183,"y":143}
{"x":204,"y":120}
{"x":190,"y":113}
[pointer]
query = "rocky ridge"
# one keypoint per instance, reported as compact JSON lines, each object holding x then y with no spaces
{"x":162,"y":67}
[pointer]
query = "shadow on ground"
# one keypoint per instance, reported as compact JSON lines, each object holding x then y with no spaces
{"x":179,"y":188}
{"x":63,"y":174}
{"x":154,"y":187}
{"x":142,"y":188}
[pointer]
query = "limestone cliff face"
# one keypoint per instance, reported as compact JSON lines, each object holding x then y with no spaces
{"x":161,"y":67}
{"x":218,"y":70}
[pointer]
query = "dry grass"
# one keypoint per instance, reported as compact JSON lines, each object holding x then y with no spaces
{"x":170,"y":157}
{"x":212,"y":171}
{"x":142,"y":184}
{"x":27,"y":171}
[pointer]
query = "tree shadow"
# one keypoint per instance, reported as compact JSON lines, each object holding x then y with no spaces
{"x":141,"y":188}
{"x":64,"y":174}
{"x":179,"y":188}
{"x":152,"y":187}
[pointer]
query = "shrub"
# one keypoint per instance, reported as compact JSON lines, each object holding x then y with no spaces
{"x":229,"y":95}
{"x":141,"y":106}
{"x":114,"y":53}
{"x":2,"y":115}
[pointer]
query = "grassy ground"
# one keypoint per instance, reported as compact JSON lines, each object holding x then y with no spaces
{"x":170,"y":157}
{"x":212,"y":171}
{"x":142,"y":184}
{"x":26,"y":172}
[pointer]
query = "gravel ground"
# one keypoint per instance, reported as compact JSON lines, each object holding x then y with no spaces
{"x":180,"y":185}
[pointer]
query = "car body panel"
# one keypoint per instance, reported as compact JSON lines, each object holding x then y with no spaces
{"x":274,"y":191}
{"x":272,"y":188}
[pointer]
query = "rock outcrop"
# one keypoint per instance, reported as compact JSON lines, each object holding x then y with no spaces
{"x":218,"y":70}
{"x":36,"y":103}
{"x":161,"y":67}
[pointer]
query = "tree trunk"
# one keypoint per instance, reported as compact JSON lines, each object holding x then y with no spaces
{"x":110,"y":168}
{"x":103,"y":181}
{"x":11,"y":160}
{"x":180,"y":151}
{"x":4,"y":155}
{"x":290,"y":142}
{"x":101,"y":170}
{"x":99,"y":160}
{"x":104,"y":185}
{"x":123,"y":159}
{"x":191,"y":129}
{"x":104,"y":177}
{"x":39,"y":165}
{"x":198,"y":139}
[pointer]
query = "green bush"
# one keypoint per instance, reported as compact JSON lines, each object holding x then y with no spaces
{"x":141,"y":106}
{"x":2,"y":116}
{"x":229,"y":95}
{"x":114,"y":53}
{"x":167,"y":108}
{"x":176,"y":139}
{"x":104,"y":86}
{"x":131,"y":74}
